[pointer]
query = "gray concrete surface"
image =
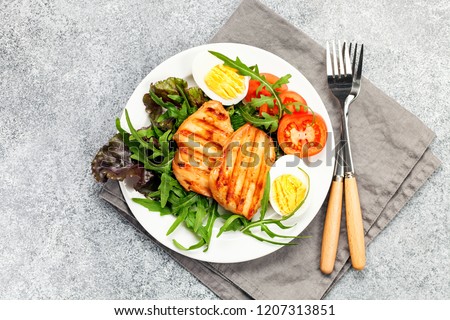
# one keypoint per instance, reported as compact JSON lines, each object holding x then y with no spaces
{"x":67,"y":69}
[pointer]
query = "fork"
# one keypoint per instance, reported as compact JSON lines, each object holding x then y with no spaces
{"x":345,"y":84}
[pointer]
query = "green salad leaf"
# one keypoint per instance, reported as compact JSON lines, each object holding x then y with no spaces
{"x":265,"y":198}
{"x":283,"y":80}
{"x":267,"y":122}
{"x":196,"y":96}
{"x":236,"y":118}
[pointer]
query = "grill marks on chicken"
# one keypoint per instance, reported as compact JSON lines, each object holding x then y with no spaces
{"x":237,"y":184}
{"x":200,"y":139}
{"x":215,"y":162}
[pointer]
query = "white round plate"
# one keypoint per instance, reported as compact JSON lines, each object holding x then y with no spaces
{"x":232,"y":246}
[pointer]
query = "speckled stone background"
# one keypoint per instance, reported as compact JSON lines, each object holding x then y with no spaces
{"x":67,"y":69}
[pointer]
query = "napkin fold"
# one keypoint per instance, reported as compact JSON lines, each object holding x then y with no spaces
{"x":390,"y":154}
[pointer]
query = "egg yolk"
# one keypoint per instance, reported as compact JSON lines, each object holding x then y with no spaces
{"x":288,"y":193}
{"x":225,"y":82}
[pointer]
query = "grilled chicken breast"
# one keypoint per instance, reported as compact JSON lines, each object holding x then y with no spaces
{"x":237,"y":183}
{"x":200,"y":139}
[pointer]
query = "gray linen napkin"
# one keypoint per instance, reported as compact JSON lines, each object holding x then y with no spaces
{"x":390,"y":153}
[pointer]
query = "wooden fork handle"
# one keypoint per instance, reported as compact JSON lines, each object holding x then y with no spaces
{"x":355,"y":228}
{"x":332,"y":226}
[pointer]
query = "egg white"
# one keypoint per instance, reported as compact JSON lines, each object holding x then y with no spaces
{"x":201,"y":65}
{"x":288,"y":164}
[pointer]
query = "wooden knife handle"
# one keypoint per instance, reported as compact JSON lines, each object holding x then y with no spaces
{"x":332,"y":226}
{"x":355,"y":228}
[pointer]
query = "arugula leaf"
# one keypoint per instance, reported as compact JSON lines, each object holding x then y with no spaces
{"x":252,"y":73}
{"x":190,"y":218}
{"x":135,"y":134}
{"x":179,"y":192}
{"x":213,"y":214}
{"x":189,"y":200}
{"x":236,"y":118}
{"x":200,"y":215}
{"x":152,"y":205}
{"x":164,"y":187}
{"x":258,"y":102}
{"x":179,"y":114}
{"x":162,"y":103}
{"x":176,"y":98}
{"x":178,"y":220}
{"x":124,"y":135}
{"x":251,"y":234}
{"x":228,"y":223}
{"x":281,"y":81}
{"x":139,"y":155}
{"x":164,"y":143}
{"x":265,"y":198}
{"x":155,"y":112}
{"x":272,"y":234}
{"x":159,"y":132}
{"x":189,"y":108}
{"x":199,"y":244}
{"x":204,"y":232}
{"x":277,"y":222}
{"x":267,"y":122}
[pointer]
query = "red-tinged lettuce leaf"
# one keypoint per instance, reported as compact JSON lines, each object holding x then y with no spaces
{"x":113,"y":161}
{"x":148,"y":183}
{"x":155,"y":111}
{"x":168,"y":87}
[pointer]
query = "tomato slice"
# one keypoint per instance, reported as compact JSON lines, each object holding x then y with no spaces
{"x":302,"y":134}
{"x":289,"y":97}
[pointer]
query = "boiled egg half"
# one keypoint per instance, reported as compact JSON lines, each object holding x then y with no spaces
{"x":219,"y":82}
{"x":289,"y":185}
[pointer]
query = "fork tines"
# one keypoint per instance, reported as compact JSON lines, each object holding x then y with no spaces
{"x":338,"y":61}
